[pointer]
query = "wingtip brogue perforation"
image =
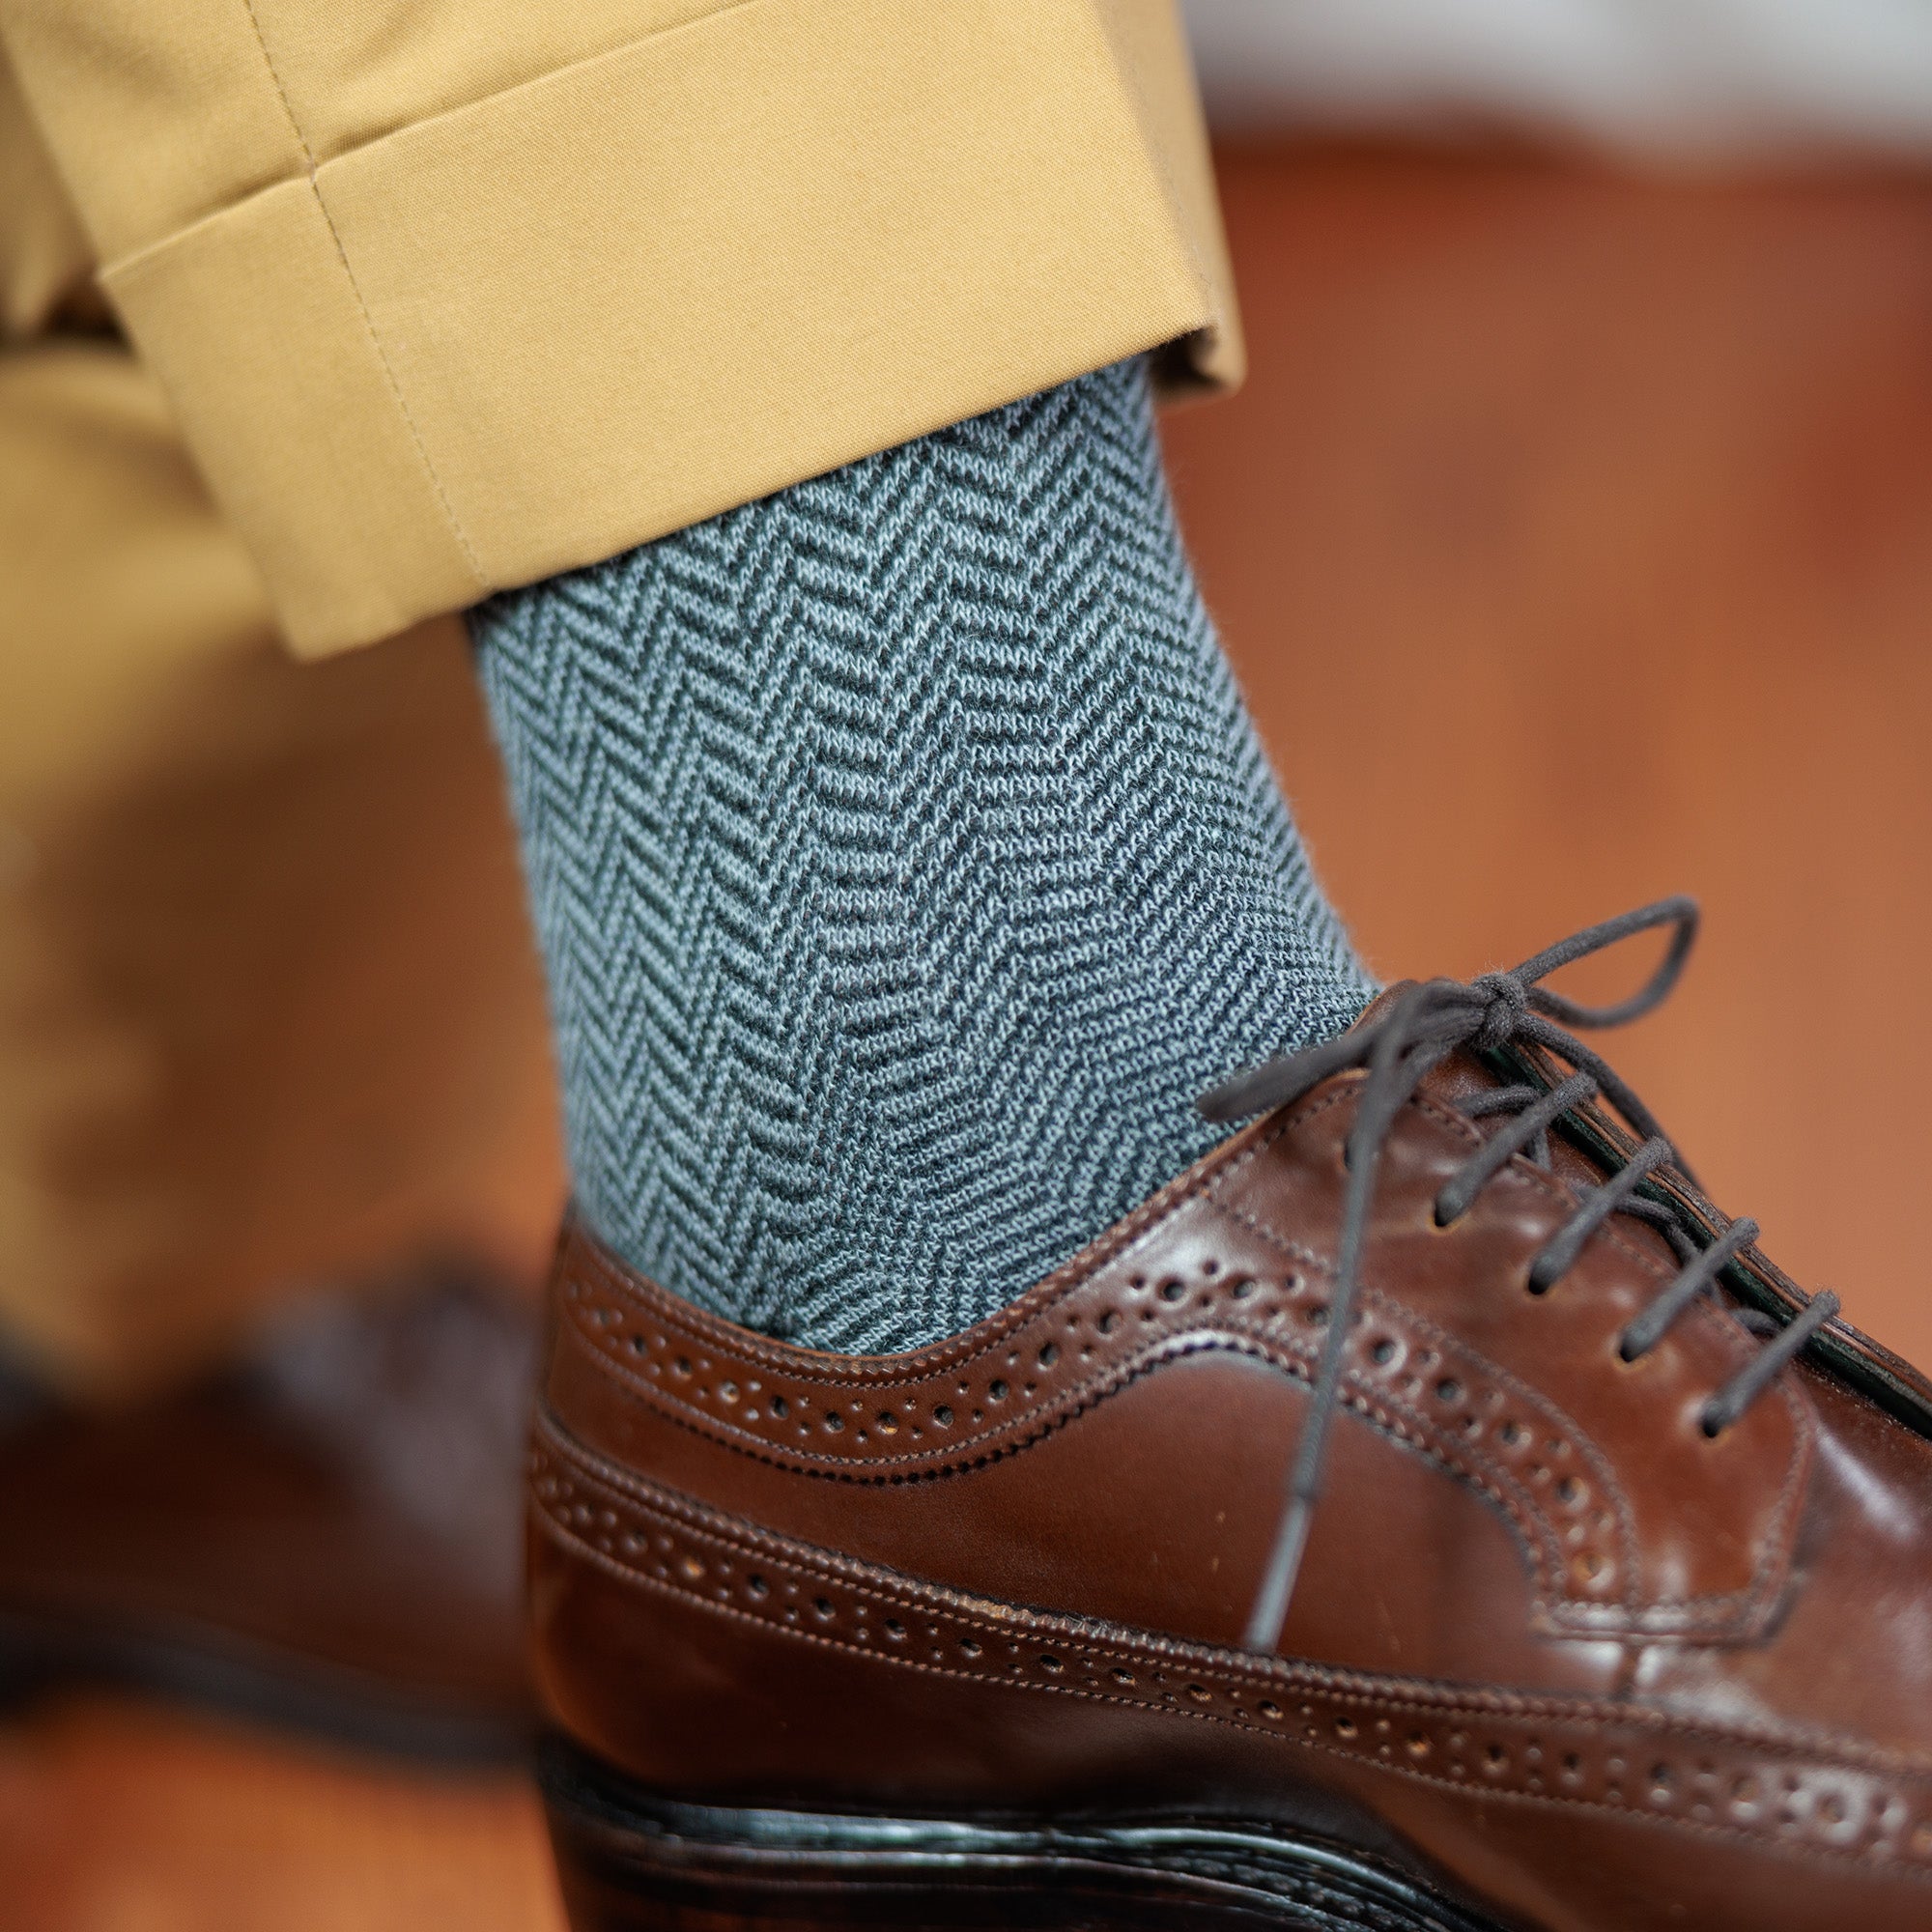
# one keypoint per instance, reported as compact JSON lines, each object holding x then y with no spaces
{"x":1211,"y":1270}
{"x":1556,"y":1653}
{"x":1829,"y":1798}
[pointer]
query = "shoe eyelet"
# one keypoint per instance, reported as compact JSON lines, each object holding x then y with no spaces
{"x":1440,"y":1219}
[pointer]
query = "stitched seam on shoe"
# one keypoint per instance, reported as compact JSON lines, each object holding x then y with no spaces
{"x":882,"y":1584}
{"x":953,"y":1354}
{"x":1558,"y":1609}
{"x":1561,"y":1608}
{"x":703,"y":1331}
{"x":1772,"y":1561}
{"x":1537,"y":1532}
{"x":1861,"y":1760}
{"x":1533,"y":1532}
{"x":1230,"y":1336}
{"x":1773,"y":1555}
{"x":1491,"y":1477}
{"x":1100,"y":1638}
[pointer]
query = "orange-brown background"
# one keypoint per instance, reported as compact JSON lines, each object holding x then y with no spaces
{"x":1572,"y":539}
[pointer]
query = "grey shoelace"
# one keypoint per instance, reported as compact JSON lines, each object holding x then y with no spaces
{"x":1418,"y":1029}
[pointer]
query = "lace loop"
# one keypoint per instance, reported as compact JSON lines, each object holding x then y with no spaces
{"x":1419,"y":1026}
{"x":1560,"y":1253}
{"x":1650,"y":1327}
{"x":1752,"y":1381}
{"x":1529,"y":1132}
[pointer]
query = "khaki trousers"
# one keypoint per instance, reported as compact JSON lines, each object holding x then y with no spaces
{"x":321,"y":323}
{"x":268,"y":1015}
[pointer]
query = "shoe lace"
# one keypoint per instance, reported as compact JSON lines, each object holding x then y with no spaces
{"x":1419,"y":1027}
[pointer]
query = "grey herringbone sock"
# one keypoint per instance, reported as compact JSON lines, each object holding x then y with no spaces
{"x":904,"y":864}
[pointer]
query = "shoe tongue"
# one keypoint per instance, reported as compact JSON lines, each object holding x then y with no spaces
{"x":1464,"y":1073}
{"x":1380,"y":1005}
{"x":1458,"y":1076}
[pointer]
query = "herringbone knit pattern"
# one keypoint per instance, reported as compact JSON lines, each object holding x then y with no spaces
{"x":904,"y":862}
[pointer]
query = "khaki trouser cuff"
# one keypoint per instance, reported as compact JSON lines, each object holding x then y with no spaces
{"x":532,"y":331}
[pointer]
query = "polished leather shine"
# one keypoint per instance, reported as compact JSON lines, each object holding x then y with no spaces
{"x":1580,"y":1664}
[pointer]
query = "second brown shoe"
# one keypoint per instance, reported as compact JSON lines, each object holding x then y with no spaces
{"x":1428,"y":1514}
{"x":322,"y":1536}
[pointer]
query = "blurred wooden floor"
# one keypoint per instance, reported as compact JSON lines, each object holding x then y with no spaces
{"x":120,"y":1819}
{"x":1574,"y":537}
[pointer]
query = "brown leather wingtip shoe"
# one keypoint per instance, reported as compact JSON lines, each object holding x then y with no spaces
{"x":323,"y":1538}
{"x":1604,"y":1605}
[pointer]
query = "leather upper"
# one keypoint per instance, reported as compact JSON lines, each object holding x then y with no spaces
{"x":1551,"y":1642}
{"x":326,"y":1531}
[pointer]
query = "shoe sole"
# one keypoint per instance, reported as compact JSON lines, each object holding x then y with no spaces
{"x":631,"y":1861}
{"x":256,"y":1686}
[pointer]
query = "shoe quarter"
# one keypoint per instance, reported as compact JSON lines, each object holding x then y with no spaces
{"x":1635,"y":1521}
{"x":1113,"y":1442}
